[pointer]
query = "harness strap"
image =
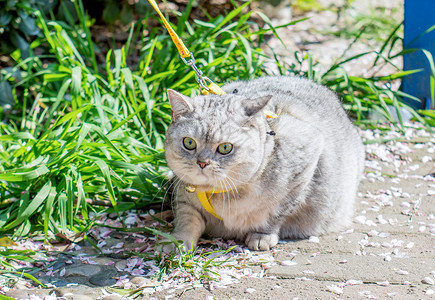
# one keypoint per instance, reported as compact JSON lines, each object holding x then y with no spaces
{"x":205,"y":199}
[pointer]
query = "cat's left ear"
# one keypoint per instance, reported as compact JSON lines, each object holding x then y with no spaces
{"x":253,"y":106}
{"x":180,"y":104}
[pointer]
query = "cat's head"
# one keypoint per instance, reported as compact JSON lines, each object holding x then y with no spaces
{"x":216,"y":142}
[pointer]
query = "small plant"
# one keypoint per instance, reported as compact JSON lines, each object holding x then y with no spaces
{"x":197,"y":264}
{"x":14,"y":263}
{"x":306,"y":5}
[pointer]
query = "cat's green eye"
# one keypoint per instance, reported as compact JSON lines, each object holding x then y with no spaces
{"x":225,"y":148}
{"x":189,"y":143}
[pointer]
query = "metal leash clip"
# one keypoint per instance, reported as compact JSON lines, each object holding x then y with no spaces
{"x":202,"y":80}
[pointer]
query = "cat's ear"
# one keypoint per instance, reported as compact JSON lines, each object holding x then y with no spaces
{"x":180,"y":104}
{"x":253,"y":106}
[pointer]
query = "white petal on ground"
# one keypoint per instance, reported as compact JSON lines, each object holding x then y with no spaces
{"x":313,"y":239}
{"x":360,"y":219}
{"x":250,"y":290}
{"x":409,"y":245}
{"x":383,"y":283}
{"x":288,"y":263}
{"x":353,"y":282}
{"x":426,"y":159}
{"x":335,"y":289}
{"x":428,"y":280}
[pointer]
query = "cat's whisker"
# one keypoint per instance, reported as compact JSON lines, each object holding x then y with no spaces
{"x":229,"y":189}
{"x":228,"y":195}
{"x":230,"y":182}
{"x":224,"y":200}
{"x":174,"y":183}
{"x":177,"y":183}
{"x":237,"y":180}
{"x":161,"y":187}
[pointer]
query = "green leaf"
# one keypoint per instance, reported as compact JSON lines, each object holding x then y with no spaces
{"x":19,"y":176}
{"x":76,"y":80}
{"x":73,"y":114}
{"x":5,"y":18}
{"x":28,"y":25}
{"x":22,"y":274}
{"x":126,"y":13}
{"x":48,"y":210}
{"x":106,"y":174}
{"x":165,"y":235}
{"x":128,"y":78}
{"x":428,"y":112}
{"x":6,"y":298}
{"x":17,"y":136}
{"x":432,"y":74}
{"x":397,"y":75}
{"x":32,"y":207}
{"x":20,"y":42}
{"x":111,"y":12}
{"x":6,"y":97}
{"x":231,"y":15}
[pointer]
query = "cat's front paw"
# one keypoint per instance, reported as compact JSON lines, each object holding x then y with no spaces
{"x":261,"y":241}
{"x":166,"y":246}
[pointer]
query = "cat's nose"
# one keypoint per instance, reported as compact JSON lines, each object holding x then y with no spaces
{"x":201,"y":164}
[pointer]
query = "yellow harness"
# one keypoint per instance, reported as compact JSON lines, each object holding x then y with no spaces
{"x":205,"y":199}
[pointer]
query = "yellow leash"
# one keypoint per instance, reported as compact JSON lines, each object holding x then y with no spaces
{"x":182,"y":49}
{"x":206,"y":85}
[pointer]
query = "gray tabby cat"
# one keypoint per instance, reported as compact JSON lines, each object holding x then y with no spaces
{"x":292,"y":176}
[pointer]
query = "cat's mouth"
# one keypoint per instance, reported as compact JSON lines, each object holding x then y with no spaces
{"x":201,"y":178}
{"x":206,"y":180}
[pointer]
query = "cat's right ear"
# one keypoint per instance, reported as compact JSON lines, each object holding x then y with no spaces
{"x":180,"y":104}
{"x":253,"y":106}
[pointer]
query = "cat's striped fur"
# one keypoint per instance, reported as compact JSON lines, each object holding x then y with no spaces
{"x":293,"y":176}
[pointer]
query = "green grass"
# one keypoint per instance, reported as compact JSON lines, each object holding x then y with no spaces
{"x":370,"y":25}
{"x":9,"y":272}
